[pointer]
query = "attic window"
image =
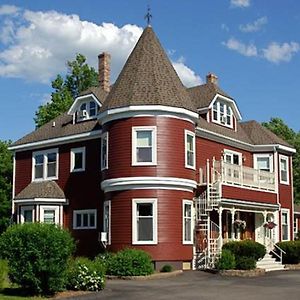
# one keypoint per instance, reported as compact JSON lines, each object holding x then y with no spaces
{"x":222,"y":114}
{"x":87,"y":110}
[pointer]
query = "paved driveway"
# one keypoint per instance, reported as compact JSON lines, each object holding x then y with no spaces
{"x":283,"y":285}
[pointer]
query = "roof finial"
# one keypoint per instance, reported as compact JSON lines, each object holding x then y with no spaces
{"x":148,"y":16}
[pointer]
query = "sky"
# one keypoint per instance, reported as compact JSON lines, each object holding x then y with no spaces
{"x":253,"y":46}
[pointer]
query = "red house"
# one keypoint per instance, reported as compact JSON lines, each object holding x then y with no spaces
{"x":151,"y":164}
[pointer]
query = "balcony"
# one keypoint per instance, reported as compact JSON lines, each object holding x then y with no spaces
{"x":236,"y":175}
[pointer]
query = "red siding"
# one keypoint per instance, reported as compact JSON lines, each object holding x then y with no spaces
{"x":169,"y":208}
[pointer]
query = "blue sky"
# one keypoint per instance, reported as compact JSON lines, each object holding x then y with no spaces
{"x":252,"y":45}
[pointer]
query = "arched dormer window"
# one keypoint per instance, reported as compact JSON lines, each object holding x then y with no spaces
{"x":222,"y":114}
{"x":87,"y":110}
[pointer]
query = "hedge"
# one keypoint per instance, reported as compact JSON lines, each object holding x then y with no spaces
{"x":292,"y":249}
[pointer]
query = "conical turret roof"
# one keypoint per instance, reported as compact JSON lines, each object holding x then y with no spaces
{"x":148,"y":78}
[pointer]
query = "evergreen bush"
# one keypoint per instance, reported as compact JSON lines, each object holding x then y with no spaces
{"x":226,"y":261}
{"x":292,"y":249}
{"x":3,"y":273}
{"x":166,"y":269}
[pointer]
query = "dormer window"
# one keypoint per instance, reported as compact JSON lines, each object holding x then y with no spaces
{"x":222,"y":114}
{"x":87,"y":110}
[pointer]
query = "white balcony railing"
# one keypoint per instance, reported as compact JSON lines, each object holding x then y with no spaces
{"x":237,"y":175}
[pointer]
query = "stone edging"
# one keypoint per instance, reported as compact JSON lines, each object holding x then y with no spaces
{"x":153,"y":276}
{"x":243,"y":273}
{"x":293,"y":267}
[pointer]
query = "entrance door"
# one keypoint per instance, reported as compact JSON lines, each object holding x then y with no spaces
{"x":259,"y":229}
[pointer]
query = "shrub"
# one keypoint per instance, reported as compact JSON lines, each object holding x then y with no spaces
{"x":166,"y":269}
{"x":246,"y":248}
{"x":37,"y":256}
{"x":3,"y":273}
{"x":226,"y":261}
{"x":292,"y":249}
{"x":104,"y":258}
{"x":245,"y":263}
{"x":86,"y":275}
{"x":130,"y":262}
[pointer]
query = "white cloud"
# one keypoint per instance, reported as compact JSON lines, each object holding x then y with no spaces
{"x":38,"y":44}
{"x":255,"y":26}
{"x":277,"y":53}
{"x":246,"y":50}
{"x":188,"y":76}
{"x":240,"y":3}
{"x":8,"y":10}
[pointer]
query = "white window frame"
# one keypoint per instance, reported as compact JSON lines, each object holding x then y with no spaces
{"x":286,"y":159}
{"x":104,"y":136}
{"x":50,"y":207}
{"x":186,"y":134}
{"x":84,"y":211}
{"x":88,"y":110}
{"x":25,"y":208}
{"x":72,"y":165}
{"x":295,"y":226}
{"x":218,"y":120}
{"x":232,"y":152}
{"x":107,"y":230}
{"x":45,"y":162}
{"x":154,"y":145}
{"x":191,"y":241}
{"x":286,"y":211}
{"x":264,"y":155}
{"x":153,"y":201}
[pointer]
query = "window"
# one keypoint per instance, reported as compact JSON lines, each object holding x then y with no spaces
{"x":222,"y":113}
{"x":88,"y":110}
{"x":232,"y":157}
{"x":143,"y":146}
{"x":27,"y":214}
{"x":285,"y":233}
{"x":284,"y":169}
{"x":49,"y":214}
{"x":45,"y":165}
{"x":85,"y":219}
{"x":263,"y":162}
{"x":295,"y":226}
{"x":104,"y":151}
{"x":187,"y":222}
{"x":78,"y":159}
{"x":144,"y":221}
{"x":92,"y":109}
{"x":107,"y":220}
{"x":189,"y":149}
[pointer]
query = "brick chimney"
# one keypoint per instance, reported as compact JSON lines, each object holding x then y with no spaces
{"x":104,"y":71}
{"x":212,"y":78}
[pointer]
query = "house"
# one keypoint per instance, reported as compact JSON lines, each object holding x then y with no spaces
{"x":156,"y":166}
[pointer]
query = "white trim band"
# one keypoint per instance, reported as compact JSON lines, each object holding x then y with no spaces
{"x":40,"y":200}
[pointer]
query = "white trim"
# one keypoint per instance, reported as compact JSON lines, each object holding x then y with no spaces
{"x":108,"y":204}
{"x":146,"y":182}
{"x":218,"y":111}
{"x":286,"y":159}
{"x":74,"y":105}
{"x":56,"y":213}
{"x":186,"y":134}
{"x":187,"y":242}
{"x":57,"y":141}
{"x":105,"y":135}
{"x":153,"y":130}
{"x":13,"y":184}
{"x":23,"y":209}
{"x":81,"y":212}
{"x":45,"y":163}
{"x":136,"y":201}
{"x":231,"y":153}
{"x":72,"y":160}
{"x":41,"y":200}
{"x":245,"y":203}
{"x":135,"y":110}
{"x":287,"y":211}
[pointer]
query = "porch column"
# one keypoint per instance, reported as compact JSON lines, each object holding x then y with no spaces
{"x":220,"y":226}
{"x":232,"y":211}
{"x":238,"y":229}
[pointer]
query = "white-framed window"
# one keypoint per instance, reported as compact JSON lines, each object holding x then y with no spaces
{"x":144,"y":221}
{"x":285,"y":224}
{"x":284,"y":169}
{"x":144,"y":146}
{"x":78,"y":159}
{"x":104,"y":151}
{"x":222,"y":113}
{"x":190,"y":153}
{"x":27,"y":214}
{"x":233,"y":157}
{"x":87,"y":110}
{"x":49,"y":214}
{"x":45,"y":164}
{"x":107,"y":220}
{"x":85,"y":219}
{"x":295,"y":226}
{"x":187,"y":222}
{"x":263,"y":162}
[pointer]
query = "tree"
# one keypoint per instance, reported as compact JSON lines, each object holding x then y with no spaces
{"x":277,"y":126}
{"x":80,"y":76}
{"x":6,"y":171}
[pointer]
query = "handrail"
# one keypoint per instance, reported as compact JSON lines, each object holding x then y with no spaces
{"x":278,"y":255}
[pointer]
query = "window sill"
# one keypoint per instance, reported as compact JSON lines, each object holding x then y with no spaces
{"x":45,"y":179}
{"x":190,"y":167}
{"x":84,"y":228}
{"x":144,"y":243}
{"x":144,"y":164}
{"x":77,"y":170}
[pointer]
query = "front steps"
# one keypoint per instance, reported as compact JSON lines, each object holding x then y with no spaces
{"x":269,"y":263}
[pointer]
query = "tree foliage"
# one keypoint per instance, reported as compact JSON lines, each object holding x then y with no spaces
{"x":277,"y":126}
{"x":80,"y":76}
{"x":6,"y":173}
